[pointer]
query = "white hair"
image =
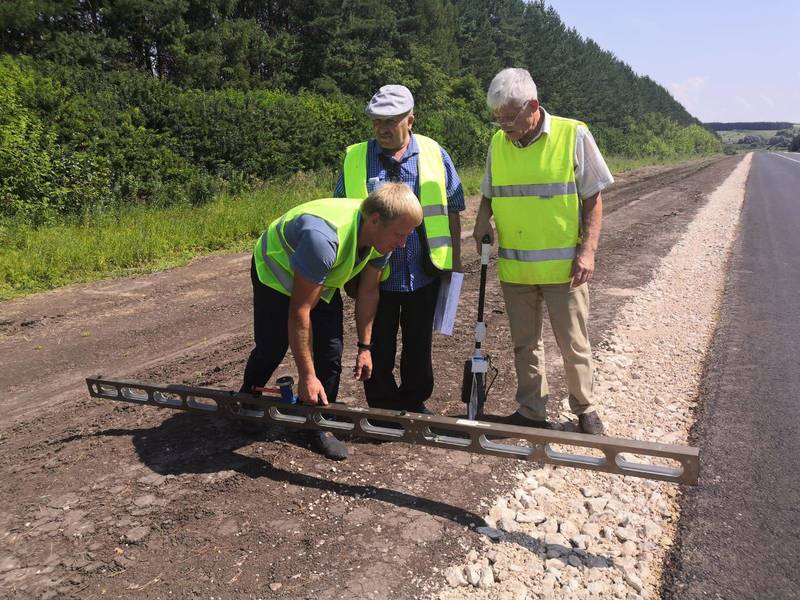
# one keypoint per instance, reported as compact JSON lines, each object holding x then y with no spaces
{"x":511,"y":86}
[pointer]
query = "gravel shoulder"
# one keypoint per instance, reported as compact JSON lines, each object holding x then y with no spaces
{"x":565,"y":533}
{"x":103,"y":499}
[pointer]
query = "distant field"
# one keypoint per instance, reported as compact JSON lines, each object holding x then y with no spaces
{"x":732,"y":136}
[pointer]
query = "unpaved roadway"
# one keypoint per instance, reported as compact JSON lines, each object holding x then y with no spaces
{"x":111,"y":500}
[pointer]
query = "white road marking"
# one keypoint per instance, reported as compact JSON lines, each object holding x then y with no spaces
{"x":786,"y":157}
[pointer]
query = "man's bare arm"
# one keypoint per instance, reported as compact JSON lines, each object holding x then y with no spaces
{"x":583,"y":266}
{"x":454,"y":219}
{"x":483,"y":225}
{"x":305,"y":295}
{"x":366,"y":308}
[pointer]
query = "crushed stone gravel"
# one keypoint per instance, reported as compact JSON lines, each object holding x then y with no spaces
{"x":565,"y":533}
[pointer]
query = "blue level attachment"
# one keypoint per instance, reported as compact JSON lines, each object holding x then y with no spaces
{"x":286,"y":385}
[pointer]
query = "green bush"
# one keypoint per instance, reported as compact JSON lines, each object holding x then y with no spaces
{"x":40,"y":179}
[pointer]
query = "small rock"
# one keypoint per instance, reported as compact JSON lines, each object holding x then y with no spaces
{"x":568,"y":529}
{"x":473,"y":573}
{"x":652,"y":530}
{"x":633,"y":579}
{"x":145,"y":500}
{"x":553,"y":564}
{"x":516,"y":590}
{"x":596,"y":505}
{"x":599,"y":589}
{"x":137,"y":534}
{"x":556,"y":539}
{"x":591,"y":529}
{"x":549,"y":526}
{"x":275,"y":586}
{"x":487,"y":577}
{"x":455,"y":577}
{"x":629,"y":548}
{"x":530,"y":484}
{"x":530,"y":516}
{"x":8,"y":563}
{"x":625,"y":533}
{"x":152,"y":479}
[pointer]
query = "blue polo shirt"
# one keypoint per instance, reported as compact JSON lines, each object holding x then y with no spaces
{"x":316,"y":245}
{"x":408,"y":273}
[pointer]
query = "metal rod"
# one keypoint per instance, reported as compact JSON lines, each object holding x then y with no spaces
{"x":611,"y":455}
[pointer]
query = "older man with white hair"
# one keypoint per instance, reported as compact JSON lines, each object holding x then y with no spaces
{"x":543,"y":183}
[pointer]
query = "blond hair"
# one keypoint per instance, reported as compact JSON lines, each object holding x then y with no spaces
{"x":390,"y":201}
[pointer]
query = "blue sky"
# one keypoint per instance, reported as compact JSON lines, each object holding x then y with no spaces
{"x":724,"y":61}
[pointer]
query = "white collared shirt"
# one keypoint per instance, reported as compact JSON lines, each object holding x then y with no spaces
{"x":591,"y":171}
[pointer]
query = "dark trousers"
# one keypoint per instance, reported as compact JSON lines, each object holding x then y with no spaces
{"x":413,"y":313}
{"x":271,"y":333}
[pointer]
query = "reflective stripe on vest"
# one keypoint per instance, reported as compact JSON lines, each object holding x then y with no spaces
{"x":273,"y":253}
{"x":536,"y":206}
{"x":432,"y":194}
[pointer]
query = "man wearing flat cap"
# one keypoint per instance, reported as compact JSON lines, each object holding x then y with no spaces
{"x":411,"y":282}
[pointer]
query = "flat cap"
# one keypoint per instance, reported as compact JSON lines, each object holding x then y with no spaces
{"x":390,"y":101}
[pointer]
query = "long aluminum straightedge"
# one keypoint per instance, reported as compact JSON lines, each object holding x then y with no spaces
{"x":678,"y":464}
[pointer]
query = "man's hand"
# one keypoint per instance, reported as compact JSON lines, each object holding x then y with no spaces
{"x":311,"y":391}
{"x":483,"y":223}
{"x":483,"y":227}
{"x":582,"y":267}
{"x":363,"y":369}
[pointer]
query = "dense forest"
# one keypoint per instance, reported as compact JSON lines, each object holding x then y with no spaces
{"x":106,"y":103}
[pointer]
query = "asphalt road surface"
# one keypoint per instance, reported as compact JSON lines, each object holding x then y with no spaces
{"x":739,"y":533}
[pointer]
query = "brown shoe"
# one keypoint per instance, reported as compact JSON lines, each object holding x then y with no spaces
{"x":590,"y":423}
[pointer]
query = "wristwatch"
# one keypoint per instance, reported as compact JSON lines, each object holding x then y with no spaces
{"x":363,"y":346}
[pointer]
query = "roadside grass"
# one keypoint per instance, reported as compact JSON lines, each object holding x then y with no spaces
{"x":139,"y":240}
{"x":621,"y":164}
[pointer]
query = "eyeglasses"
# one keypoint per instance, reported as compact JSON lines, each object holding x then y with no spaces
{"x":509,"y":124}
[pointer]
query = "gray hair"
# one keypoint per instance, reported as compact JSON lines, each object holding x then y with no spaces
{"x":390,"y":201}
{"x":511,"y":86}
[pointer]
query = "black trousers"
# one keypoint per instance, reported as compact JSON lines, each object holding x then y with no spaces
{"x":271,"y":333}
{"x":413,"y":313}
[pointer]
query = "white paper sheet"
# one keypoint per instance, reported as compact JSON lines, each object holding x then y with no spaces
{"x":447,"y":303}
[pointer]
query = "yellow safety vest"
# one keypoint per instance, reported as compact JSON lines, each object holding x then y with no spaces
{"x":536,"y":206}
{"x":273,"y":253}
{"x":432,"y":192}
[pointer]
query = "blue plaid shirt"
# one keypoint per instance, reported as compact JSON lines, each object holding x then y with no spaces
{"x":408,"y":273}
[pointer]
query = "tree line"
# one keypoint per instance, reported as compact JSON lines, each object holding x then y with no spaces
{"x":111,"y":102}
{"x":753,"y":126}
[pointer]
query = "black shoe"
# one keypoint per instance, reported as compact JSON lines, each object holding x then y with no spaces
{"x":590,"y":423}
{"x":421,"y":409}
{"x":326,"y":444}
{"x":522,"y":421}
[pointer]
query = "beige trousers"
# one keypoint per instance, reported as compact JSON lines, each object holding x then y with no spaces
{"x":568,"y":308}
